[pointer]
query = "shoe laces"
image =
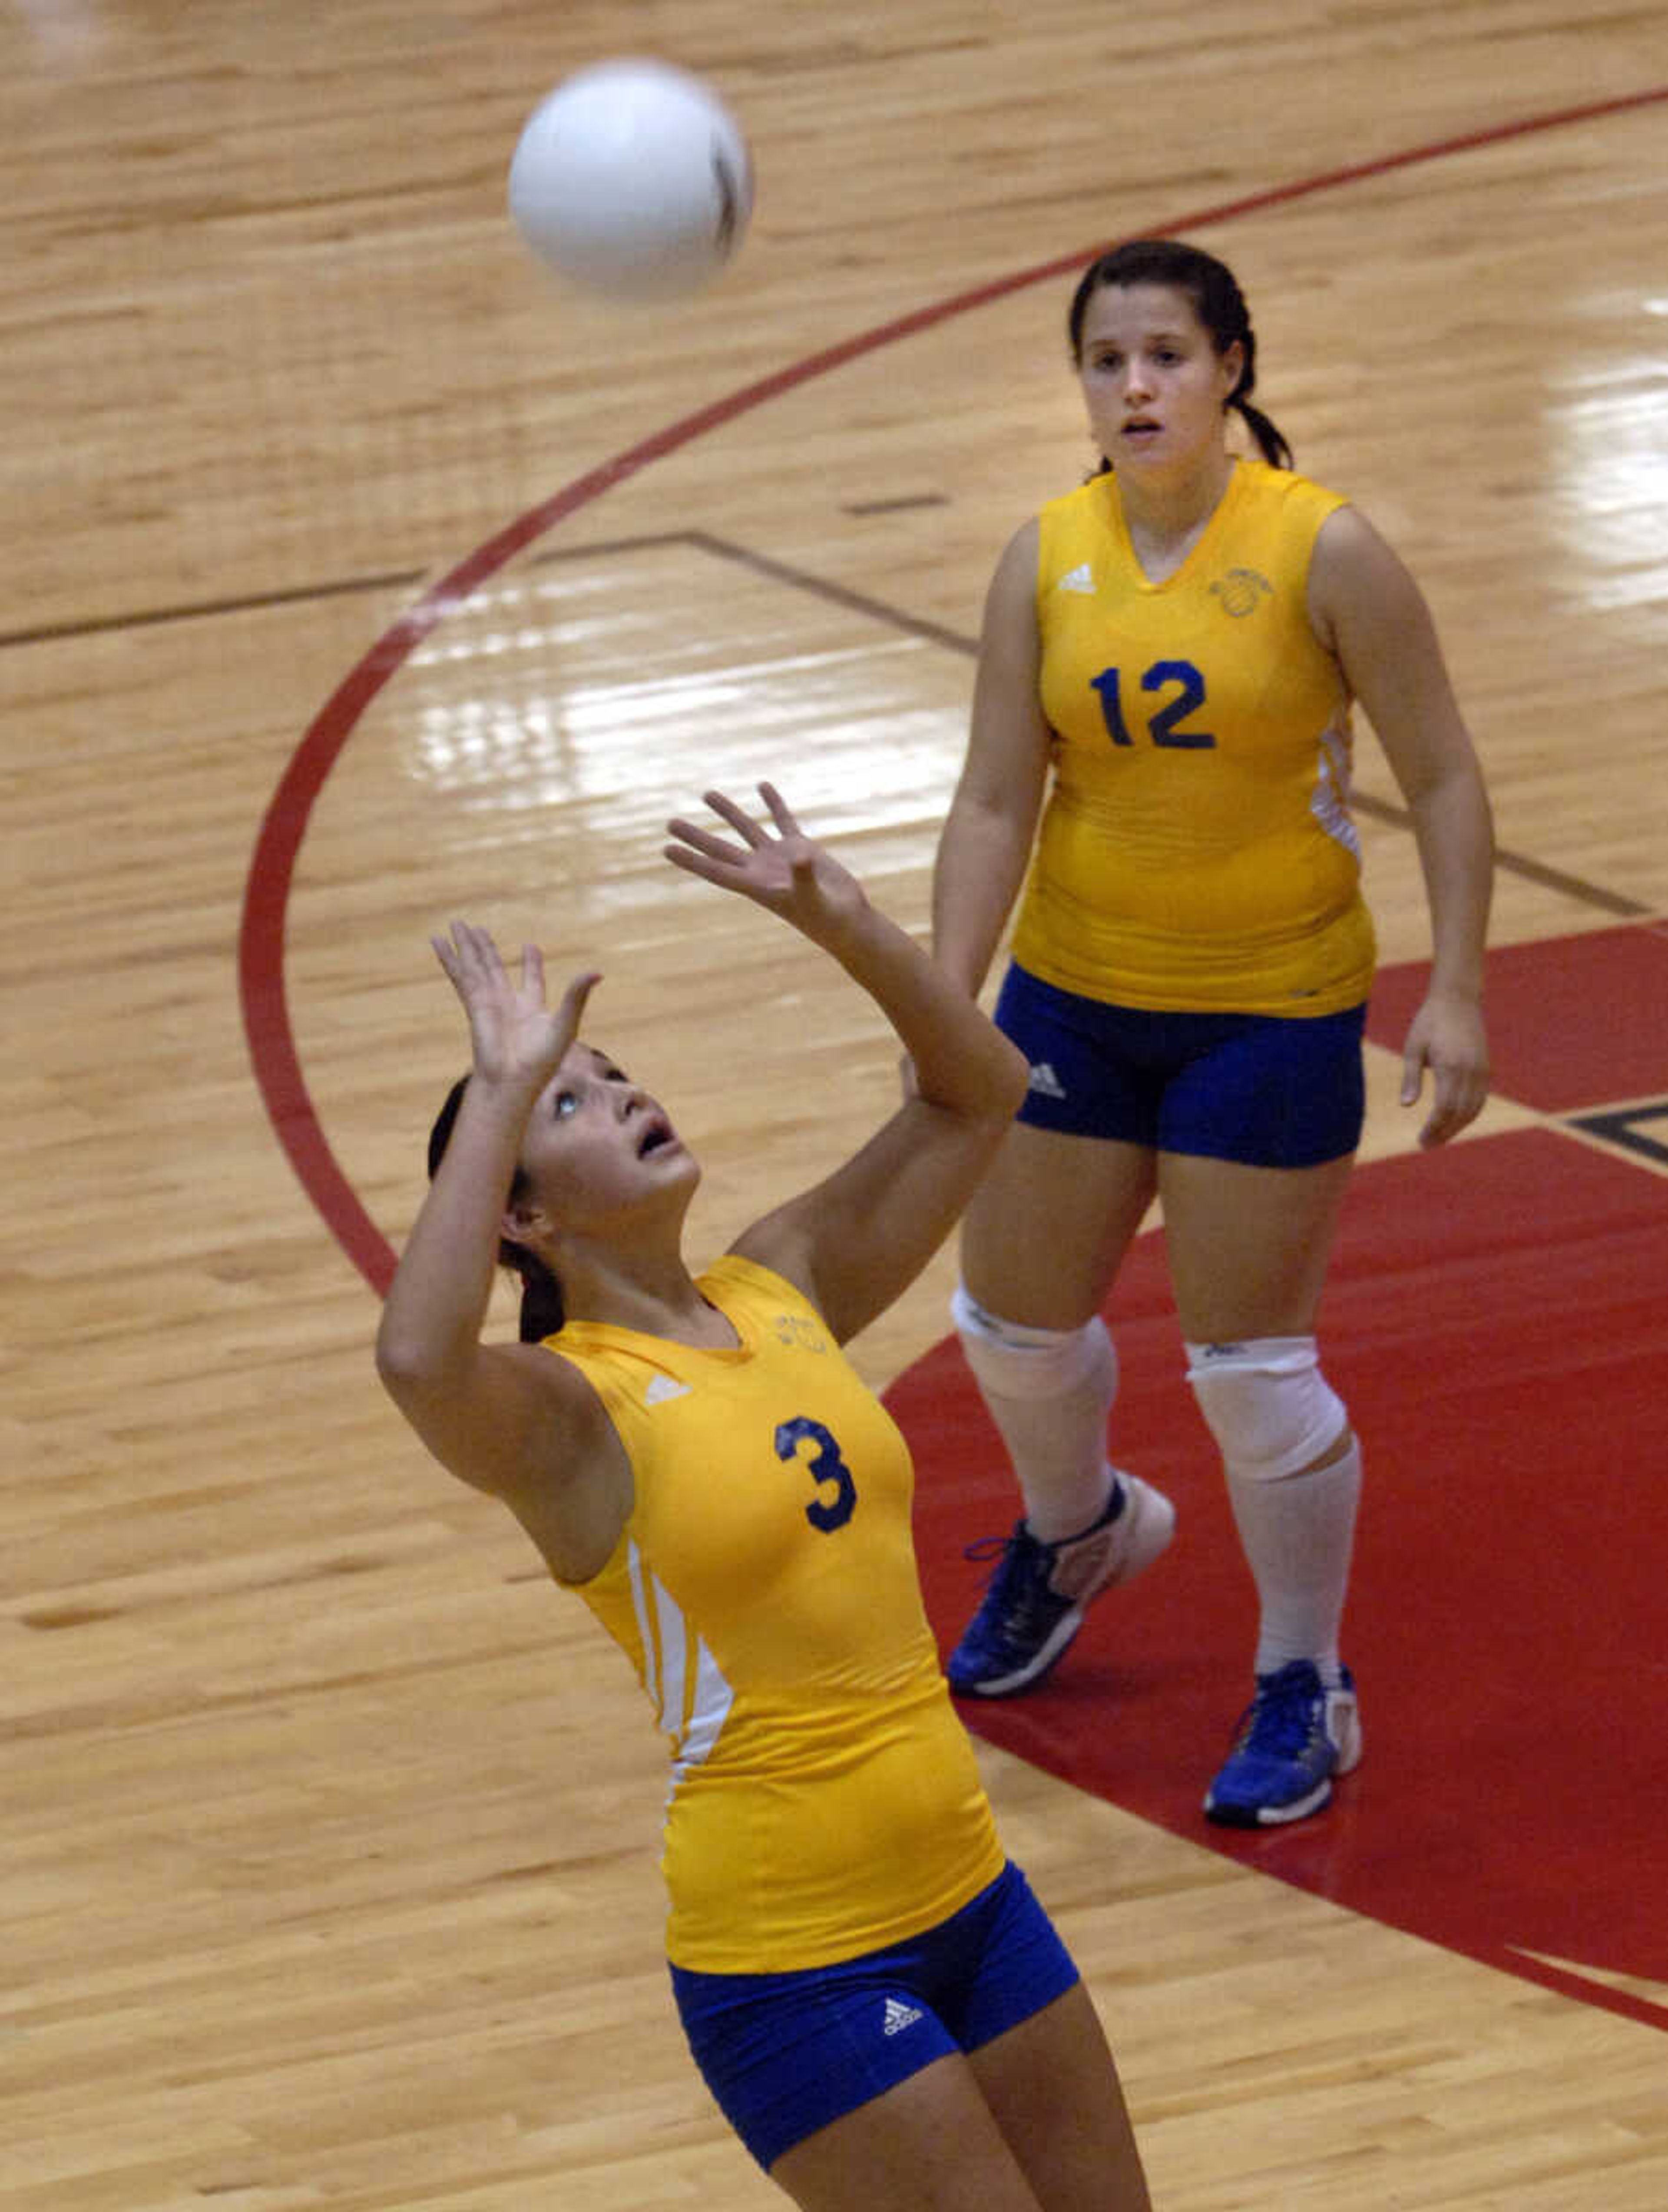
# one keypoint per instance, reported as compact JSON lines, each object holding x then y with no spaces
{"x":1018,"y":1592}
{"x":1281,"y":1719}
{"x":990,"y":1548}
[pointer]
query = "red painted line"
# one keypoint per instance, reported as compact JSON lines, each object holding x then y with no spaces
{"x":1582,"y":1987}
{"x":261,"y":943}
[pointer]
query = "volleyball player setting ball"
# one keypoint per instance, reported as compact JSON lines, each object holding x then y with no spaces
{"x":632,"y":180}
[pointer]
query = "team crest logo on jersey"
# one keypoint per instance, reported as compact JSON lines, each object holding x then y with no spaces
{"x":801,"y":1333}
{"x":1242,"y":591}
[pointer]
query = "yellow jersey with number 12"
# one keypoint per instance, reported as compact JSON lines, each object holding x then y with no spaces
{"x":824,"y":1798}
{"x":1196,"y":851}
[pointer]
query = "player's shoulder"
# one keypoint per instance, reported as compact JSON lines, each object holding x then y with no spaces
{"x":1093,"y":497}
{"x":1070,"y":536}
{"x":1262,"y":483}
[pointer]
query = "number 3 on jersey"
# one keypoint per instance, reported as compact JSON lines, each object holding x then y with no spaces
{"x":825,"y":1467}
{"x":1164,"y":724}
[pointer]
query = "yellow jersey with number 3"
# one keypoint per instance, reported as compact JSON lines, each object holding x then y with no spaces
{"x":1196,"y":851}
{"x":824,"y":1798}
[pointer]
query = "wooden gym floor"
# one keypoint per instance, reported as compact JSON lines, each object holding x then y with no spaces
{"x":358,"y":579}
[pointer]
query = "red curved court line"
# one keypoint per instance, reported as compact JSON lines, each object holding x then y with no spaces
{"x":261,"y":940}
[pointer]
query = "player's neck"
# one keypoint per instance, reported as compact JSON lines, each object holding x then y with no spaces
{"x":643,"y":1288}
{"x":1166,"y":514}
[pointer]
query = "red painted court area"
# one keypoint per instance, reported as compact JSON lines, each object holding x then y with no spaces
{"x":1498,"y":1320}
{"x":1574,"y":1023}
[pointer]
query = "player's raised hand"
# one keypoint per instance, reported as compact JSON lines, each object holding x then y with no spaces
{"x":515,"y":1037}
{"x":777,"y":865}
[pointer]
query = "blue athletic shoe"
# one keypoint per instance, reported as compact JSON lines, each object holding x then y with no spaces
{"x":1296,"y":1733}
{"x":1034,"y":1601}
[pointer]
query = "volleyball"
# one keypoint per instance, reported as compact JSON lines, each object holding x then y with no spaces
{"x":632,"y":180}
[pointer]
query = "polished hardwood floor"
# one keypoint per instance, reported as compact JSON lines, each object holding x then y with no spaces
{"x":328,"y":1829}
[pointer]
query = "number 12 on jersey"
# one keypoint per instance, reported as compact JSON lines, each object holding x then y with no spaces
{"x":1164,"y":724}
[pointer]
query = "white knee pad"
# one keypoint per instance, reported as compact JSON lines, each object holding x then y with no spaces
{"x":1267,"y":1404}
{"x":1013,"y":1361}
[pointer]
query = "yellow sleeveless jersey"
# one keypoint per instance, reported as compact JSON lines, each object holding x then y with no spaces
{"x":1196,"y":851}
{"x":824,"y":1800}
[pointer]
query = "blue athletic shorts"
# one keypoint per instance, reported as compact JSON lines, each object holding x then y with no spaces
{"x":784,"y":2054}
{"x":1267,"y":1090}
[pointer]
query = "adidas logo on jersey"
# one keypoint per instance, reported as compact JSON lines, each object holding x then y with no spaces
{"x":1043,"y":1078}
{"x":900,"y":2016}
{"x":662,"y":1387}
{"x":1080,"y":579}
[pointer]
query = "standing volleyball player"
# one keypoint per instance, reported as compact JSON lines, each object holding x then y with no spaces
{"x":1170,"y":654}
{"x":876,"y":1999}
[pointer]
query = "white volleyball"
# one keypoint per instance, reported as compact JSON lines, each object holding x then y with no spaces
{"x":633,"y":180}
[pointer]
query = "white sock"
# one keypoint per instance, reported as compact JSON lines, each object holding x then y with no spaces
{"x":1297,"y":1534}
{"x":1064,"y":1509}
{"x":1058,"y":1450}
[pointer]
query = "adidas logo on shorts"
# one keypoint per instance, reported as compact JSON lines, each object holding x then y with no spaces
{"x":900,"y":2016}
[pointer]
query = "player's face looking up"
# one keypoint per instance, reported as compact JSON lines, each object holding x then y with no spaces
{"x":595,"y":1140}
{"x":1153,"y":381}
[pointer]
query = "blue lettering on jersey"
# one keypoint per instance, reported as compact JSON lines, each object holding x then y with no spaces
{"x":1164,"y":727}
{"x":825,"y":1466}
{"x":1112,"y":705}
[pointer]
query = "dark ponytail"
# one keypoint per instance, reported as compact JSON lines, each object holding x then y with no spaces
{"x":542,"y":1312}
{"x":1217,"y":302}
